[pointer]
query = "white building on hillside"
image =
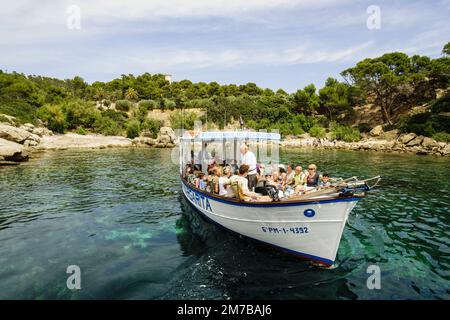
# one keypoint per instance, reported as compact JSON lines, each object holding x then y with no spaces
{"x":168,"y":77}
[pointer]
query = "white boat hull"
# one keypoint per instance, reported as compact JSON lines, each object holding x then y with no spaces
{"x":310,"y":229}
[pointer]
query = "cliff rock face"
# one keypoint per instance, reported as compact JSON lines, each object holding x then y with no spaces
{"x":369,"y":115}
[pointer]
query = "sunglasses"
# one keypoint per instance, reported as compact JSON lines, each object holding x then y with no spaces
{"x":311,"y":169}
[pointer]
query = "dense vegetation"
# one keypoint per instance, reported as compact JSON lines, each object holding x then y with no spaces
{"x":393,"y":82}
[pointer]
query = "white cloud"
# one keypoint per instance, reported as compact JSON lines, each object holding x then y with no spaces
{"x":231,"y":58}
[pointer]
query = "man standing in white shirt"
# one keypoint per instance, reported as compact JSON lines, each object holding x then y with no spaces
{"x":248,"y":158}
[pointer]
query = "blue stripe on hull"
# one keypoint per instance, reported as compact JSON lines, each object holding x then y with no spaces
{"x":321,"y":260}
{"x":273,"y":204}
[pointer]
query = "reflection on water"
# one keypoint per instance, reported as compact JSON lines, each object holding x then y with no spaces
{"x":120,"y":216}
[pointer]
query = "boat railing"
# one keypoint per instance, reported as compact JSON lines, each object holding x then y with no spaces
{"x":348,"y":187}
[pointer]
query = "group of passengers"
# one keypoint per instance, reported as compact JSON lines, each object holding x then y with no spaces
{"x":252,"y":181}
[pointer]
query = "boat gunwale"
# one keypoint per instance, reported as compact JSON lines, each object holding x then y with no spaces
{"x":234,"y":201}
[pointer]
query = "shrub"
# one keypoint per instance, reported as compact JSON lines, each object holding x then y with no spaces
{"x":141,"y":113}
{"x":106,"y":103}
{"x":147,"y":104}
{"x":117,"y":116}
{"x":54,"y":117}
{"x":345,"y":133}
{"x":23,"y":111}
{"x":180,"y":119}
{"x":152,"y":125}
{"x":442,"y":137}
{"x":199,"y":103}
{"x":81,"y":131}
{"x":364,"y":127}
{"x":167,"y":104}
{"x":123,"y":105}
{"x":106,"y":126}
{"x":133,"y":129}
{"x":317,"y":131}
{"x":441,"y":105}
{"x":426,"y":124}
{"x":79,"y":113}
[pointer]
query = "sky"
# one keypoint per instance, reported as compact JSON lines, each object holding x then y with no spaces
{"x":274,"y":43}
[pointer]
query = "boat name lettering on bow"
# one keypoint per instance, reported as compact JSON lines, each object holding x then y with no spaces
{"x":199,"y":199}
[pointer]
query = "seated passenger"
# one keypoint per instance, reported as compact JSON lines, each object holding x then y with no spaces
{"x":289,"y":180}
{"x":190,"y":176}
{"x":299,"y":180}
{"x":325,"y":181}
{"x":313,"y":177}
{"x":201,"y":181}
{"x":239,"y":184}
{"x":212,"y":181}
{"x":224,"y":181}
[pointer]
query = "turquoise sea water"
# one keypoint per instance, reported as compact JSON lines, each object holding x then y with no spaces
{"x":119,"y":216}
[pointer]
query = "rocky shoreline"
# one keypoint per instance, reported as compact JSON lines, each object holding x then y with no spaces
{"x":376,"y":140}
{"x":17,"y":142}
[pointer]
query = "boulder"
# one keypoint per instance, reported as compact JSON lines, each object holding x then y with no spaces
{"x":164,"y":139}
{"x":17,"y":135}
{"x":304,"y":136}
{"x":390,"y":135}
{"x":143,"y":141}
{"x":150,"y":141}
{"x":168,"y":131}
{"x":377,"y":131}
{"x":27,"y":127}
{"x":7,"y":119}
{"x":429,"y":143}
{"x":389,"y":145}
{"x":415,"y":142}
{"x":160,"y":145}
{"x":41,"y":131}
{"x":30,"y":143}
{"x":146,"y":133}
{"x":405,"y":138}
{"x":11,"y":151}
{"x":446,"y":150}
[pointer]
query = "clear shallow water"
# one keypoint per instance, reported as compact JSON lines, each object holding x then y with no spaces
{"x":119,"y":215}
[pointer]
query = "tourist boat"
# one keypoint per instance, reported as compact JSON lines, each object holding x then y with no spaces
{"x":309,"y":226}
